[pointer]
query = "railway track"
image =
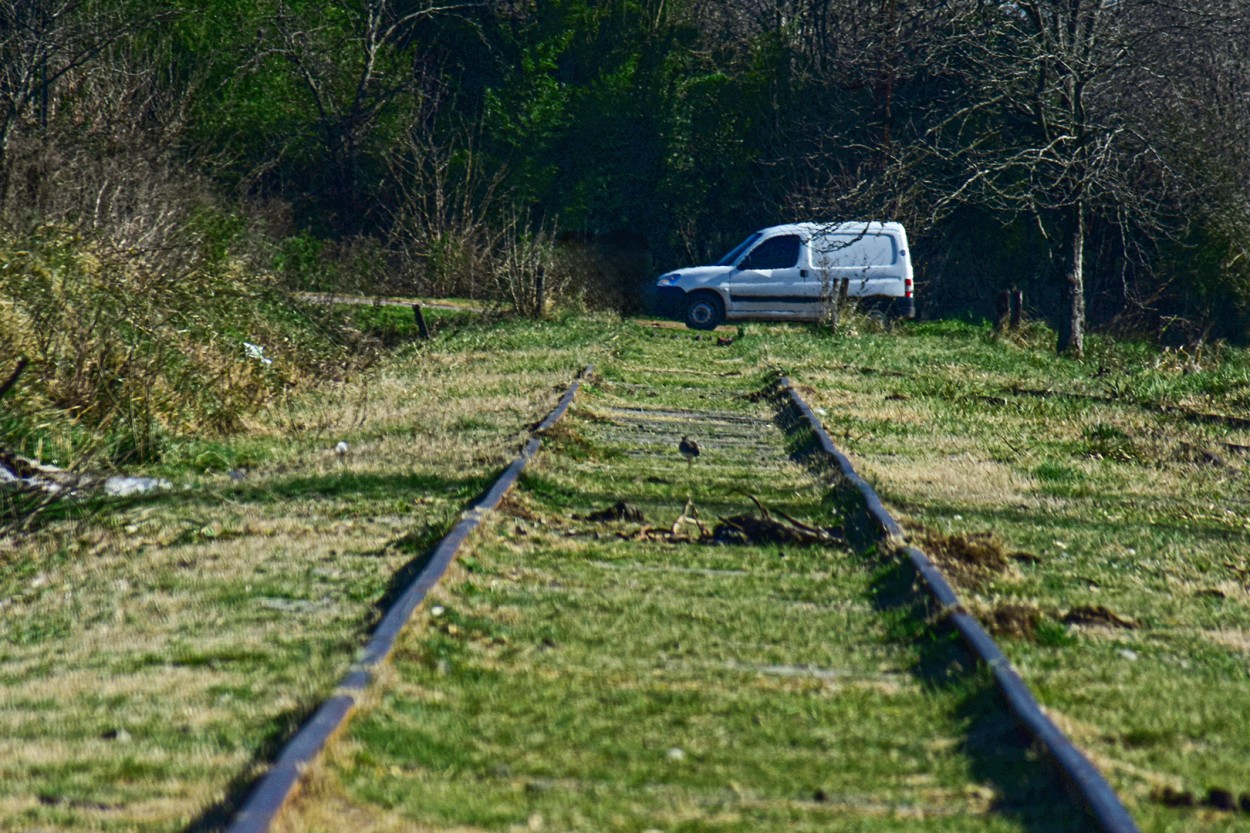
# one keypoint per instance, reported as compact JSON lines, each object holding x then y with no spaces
{"x":634,"y":642}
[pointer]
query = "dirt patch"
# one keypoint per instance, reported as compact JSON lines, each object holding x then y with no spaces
{"x":1098,"y":615}
{"x":619,"y":511}
{"x":1022,"y":557}
{"x":759,"y":528}
{"x":1172,"y":797}
{"x":517,"y":507}
{"x":756,"y":530}
{"x":974,"y":557}
{"x":1014,"y":620}
{"x":1217,"y":798}
{"x":1199,"y":456}
{"x":772,"y":527}
{"x":807,"y":392}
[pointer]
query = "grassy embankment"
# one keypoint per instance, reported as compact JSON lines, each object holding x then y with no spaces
{"x":590,"y":674}
{"x":153,"y":649}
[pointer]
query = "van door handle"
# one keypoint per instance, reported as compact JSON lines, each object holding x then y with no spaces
{"x":802,"y":273}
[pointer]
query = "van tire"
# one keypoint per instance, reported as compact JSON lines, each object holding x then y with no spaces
{"x":704,"y":311}
{"x":883,"y":309}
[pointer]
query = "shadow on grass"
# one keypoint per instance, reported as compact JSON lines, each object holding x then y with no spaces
{"x":1151,"y":515}
{"x":357,"y":486}
{"x":274,"y":735}
{"x":659,"y":498}
{"x":340,"y":485}
{"x":395,"y":325}
{"x":998,"y":749}
{"x":421,"y":543}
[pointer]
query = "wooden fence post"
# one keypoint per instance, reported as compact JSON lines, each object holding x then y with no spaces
{"x":420,"y":317}
{"x":1002,"y":310}
{"x":540,"y":293}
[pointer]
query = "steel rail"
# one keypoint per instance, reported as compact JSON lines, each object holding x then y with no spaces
{"x":281,"y":782}
{"x":1100,"y":799}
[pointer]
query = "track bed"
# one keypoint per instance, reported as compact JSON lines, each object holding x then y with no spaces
{"x":581,"y":672}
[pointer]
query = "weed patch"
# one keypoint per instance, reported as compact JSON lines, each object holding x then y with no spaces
{"x":1014,"y":620}
{"x":1097,"y":615}
{"x":1106,"y":441}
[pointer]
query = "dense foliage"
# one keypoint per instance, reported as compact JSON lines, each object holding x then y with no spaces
{"x":1087,"y":152}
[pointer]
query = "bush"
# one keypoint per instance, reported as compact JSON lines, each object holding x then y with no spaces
{"x":129,"y":352}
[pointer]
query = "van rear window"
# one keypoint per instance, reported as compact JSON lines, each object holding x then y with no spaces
{"x":840,"y":251}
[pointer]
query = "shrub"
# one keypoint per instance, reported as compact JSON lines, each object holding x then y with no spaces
{"x":129,"y":351}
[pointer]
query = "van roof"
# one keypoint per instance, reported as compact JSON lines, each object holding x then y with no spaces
{"x":844,"y":227}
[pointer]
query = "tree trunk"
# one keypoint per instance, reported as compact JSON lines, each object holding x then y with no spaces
{"x":6,"y":129}
{"x":1072,"y":325}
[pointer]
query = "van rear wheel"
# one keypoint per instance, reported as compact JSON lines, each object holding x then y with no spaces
{"x":704,"y":311}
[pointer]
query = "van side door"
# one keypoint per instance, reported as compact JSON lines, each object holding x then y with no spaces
{"x":769,"y":281}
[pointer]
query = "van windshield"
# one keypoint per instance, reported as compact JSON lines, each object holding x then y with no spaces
{"x":736,"y":251}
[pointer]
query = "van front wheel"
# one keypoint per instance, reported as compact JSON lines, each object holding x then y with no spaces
{"x":704,"y":312}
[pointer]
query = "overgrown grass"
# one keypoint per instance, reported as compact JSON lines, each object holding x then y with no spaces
{"x":132,"y":350}
{"x":157,"y":649}
{"x":610,"y":675}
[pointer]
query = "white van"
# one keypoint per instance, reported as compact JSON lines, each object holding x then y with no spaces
{"x":794,"y":272}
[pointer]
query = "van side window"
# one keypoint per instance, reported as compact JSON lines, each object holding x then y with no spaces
{"x":780,"y":252}
{"x":853,"y":250}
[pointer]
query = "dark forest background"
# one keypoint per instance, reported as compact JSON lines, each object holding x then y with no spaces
{"x":1089,"y":152}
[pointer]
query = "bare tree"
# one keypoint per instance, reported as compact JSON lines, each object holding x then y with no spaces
{"x":353,"y":63}
{"x":441,"y":205}
{"x":860,"y":78}
{"x":1044,"y":129}
{"x":1075,"y":114}
{"x":1197,"y":105}
{"x":41,"y":41}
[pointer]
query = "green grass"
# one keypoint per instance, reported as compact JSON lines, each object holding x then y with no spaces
{"x":394,"y":325}
{"x":156,"y":650}
{"x":585,"y":676}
